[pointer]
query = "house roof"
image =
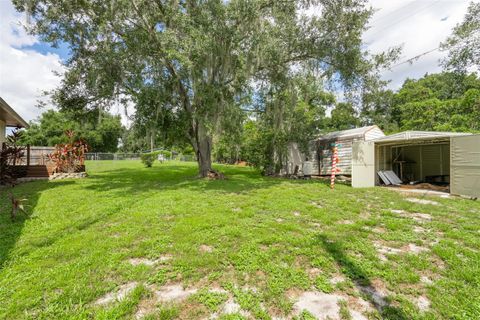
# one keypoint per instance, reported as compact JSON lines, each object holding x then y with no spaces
{"x":419,"y":135}
{"x":346,"y":134}
{"x":9,"y":115}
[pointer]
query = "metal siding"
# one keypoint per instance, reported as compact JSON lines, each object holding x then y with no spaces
{"x":344,"y":155}
{"x":465,"y":166}
{"x":431,"y":165}
{"x":363,"y":164}
{"x":374,"y":133}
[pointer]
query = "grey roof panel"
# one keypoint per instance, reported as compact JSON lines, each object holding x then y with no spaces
{"x":418,"y":135}
{"x":345,"y":134}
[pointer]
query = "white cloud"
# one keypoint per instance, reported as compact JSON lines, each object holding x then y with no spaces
{"x":24,"y":73}
{"x":419,"y":26}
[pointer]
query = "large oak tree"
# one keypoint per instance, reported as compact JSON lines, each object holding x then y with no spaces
{"x":198,"y":59}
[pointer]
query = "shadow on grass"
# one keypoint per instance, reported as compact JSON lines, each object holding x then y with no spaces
{"x":172,"y":177}
{"x":10,"y":230}
{"x":361,"y":280}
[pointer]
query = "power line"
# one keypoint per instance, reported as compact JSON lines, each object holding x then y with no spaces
{"x":404,"y":18}
{"x":413,"y":59}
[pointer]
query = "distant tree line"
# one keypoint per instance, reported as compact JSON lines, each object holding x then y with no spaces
{"x":240,"y":80}
{"x":101,"y":130}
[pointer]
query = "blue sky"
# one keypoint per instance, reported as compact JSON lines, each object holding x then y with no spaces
{"x":27,"y":65}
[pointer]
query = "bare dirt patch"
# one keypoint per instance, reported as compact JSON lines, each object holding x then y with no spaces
{"x":419,"y":229}
{"x":423,"y":303}
{"x":384,"y":250}
{"x":426,"y":280}
{"x":316,"y":204}
{"x":149,"y":262}
{"x":145,"y":308}
{"x":413,"y":248}
{"x":417,"y":216}
{"x":422,"y":201}
{"x":336,"y":279}
{"x":118,"y":295}
{"x":376,"y":295}
{"x":205,"y":249}
{"x":345,"y":222}
{"x":320,"y":305}
{"x":296,"y":213}
{"x":174,"y":292}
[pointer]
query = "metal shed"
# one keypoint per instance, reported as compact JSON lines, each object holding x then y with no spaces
{"x":321,"y":150}
{"x":448,"y":158}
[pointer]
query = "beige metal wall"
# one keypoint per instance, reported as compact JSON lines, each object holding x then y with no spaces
{"x":2,"y":132}
{"x":363,"y":164}
{"x":465,"y":166}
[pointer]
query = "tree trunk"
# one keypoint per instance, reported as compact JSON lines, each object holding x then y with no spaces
{"x":202,"y":144}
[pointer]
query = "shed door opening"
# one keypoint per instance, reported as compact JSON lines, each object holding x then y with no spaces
{"x":429,"y":163}
{"x":419,"y":164}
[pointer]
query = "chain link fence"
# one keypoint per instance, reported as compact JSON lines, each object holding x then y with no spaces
{"x":98,"y":156}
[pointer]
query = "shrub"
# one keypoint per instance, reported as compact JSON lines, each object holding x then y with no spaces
{"x":148,"y":158}
{"x":69,"y":157}
{"x":10,"y":155}
{"x":166,"y":154}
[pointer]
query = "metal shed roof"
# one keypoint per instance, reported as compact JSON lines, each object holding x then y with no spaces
{"x":11,"y":118}
{"x":346,"y":134}
{"x":419,"y":135}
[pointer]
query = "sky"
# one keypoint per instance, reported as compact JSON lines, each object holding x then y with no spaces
{"x":28,"y":66}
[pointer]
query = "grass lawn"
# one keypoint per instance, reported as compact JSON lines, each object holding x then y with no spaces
{"x":130,"y":242}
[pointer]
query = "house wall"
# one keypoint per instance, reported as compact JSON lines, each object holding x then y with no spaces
{"x":3,"y":129}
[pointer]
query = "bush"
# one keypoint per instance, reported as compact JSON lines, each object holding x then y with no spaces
{"x":148,"y":158}
{"x":69,"y":157}
{"x":166,"y":154}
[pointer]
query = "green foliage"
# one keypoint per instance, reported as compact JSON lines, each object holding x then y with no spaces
{"x":148,"y":158}
{"x":190,"y":67}
{"x":438,"y":102}
{"x":69,"y":157}
{"x":212,"y":300}
{"x":167,"y":154}
{"x":294,"y":113}
{"x":463,"y":45}
{"x":343,"y":117}
{"x":322,"y":284}
{"x":102,"y":130}
{"x":10,"y":154}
